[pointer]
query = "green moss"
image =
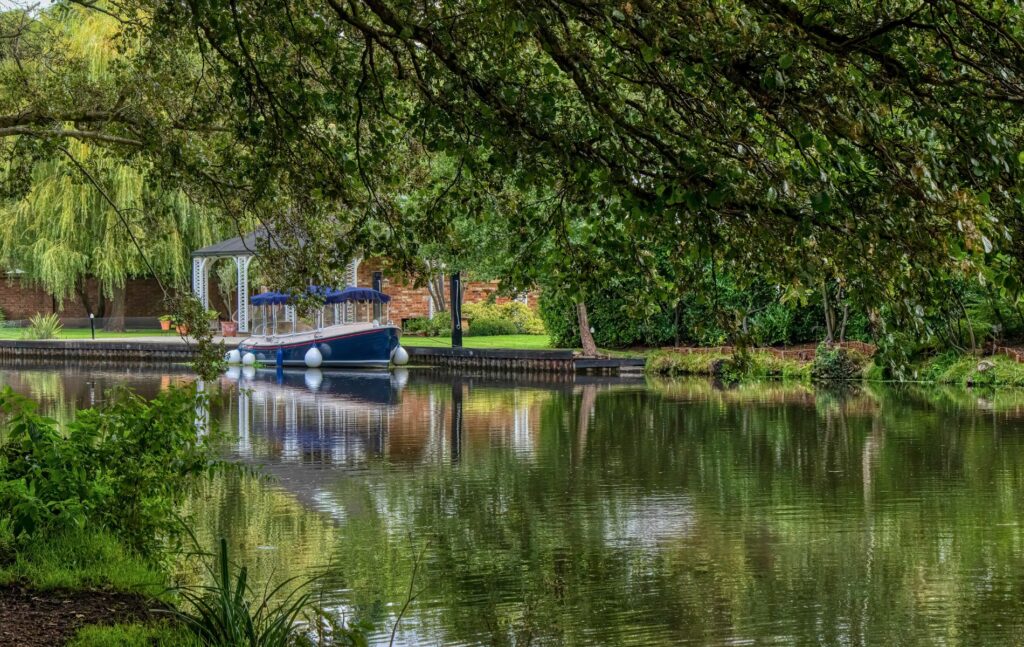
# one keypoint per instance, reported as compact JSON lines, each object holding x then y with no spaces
{"x":80,"y":559}
{"x":133,"y":635}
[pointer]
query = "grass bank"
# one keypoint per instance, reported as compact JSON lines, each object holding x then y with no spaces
{"x":86,"y":333}
{"x":761,"y":365}
{"x":516,"y":342}
{"x":969,"y":370}
{"x":947,"y":368}
{"x":84,"y":588}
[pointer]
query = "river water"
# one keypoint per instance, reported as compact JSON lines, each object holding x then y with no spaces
{"x":611,"y":512}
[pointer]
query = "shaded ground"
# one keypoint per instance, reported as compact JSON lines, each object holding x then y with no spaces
{"x":37,"y":618}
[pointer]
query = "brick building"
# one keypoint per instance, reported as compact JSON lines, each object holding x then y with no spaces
{"x":408,"y":301}
{"x":20,"y":299}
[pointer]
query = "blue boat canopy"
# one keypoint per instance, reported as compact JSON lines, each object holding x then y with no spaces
{"x":358,"y":294}
{"x":330,"y":295}
{"x":269,"y":299}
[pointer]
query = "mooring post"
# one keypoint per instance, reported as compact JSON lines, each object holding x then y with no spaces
{"x":378,"y":285}
{"x":456,"y":301}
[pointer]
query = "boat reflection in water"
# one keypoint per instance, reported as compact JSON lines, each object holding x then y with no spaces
{"x":312,"y":416}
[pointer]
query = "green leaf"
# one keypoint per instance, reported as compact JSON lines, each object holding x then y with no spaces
{"x":821,"y":202}
{"x":786,"y":61}
{"x":984,"y":198}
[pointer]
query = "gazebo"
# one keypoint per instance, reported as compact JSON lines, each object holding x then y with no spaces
{"x":242,"y":249}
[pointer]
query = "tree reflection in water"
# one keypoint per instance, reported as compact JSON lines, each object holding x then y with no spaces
{"x":619,"y":513}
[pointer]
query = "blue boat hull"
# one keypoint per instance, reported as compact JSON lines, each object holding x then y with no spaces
{"x":365,"y":348}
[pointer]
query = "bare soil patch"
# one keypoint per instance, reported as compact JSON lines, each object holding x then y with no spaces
{"x":31,"y":618}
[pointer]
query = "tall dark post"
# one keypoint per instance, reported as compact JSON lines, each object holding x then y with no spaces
{"x":378,"y":285}
{"x":456,"y":301}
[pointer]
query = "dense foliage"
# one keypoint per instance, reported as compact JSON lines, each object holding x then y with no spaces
{"x":124,"y":467}
{"x":862,"y":157}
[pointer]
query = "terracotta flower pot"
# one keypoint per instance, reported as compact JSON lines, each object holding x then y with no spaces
{"x":228,"y":328}
{"x":165,"y":325}
{"x":182,"y":329}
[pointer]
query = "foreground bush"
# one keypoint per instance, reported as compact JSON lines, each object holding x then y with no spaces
{"x":124,"y":467}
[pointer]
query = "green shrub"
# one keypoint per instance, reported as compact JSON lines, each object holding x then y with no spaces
{"x":491,"y":327}
{"x":440,"y":325}
{"x":836,"y":364}
{"x":42,"y":326}
{"x":773,"y":326}
{"x":124,"y":467}
{"x":617,"y":323}
{"x":523,"y":318}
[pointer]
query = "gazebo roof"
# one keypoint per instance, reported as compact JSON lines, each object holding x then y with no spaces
{"x":237,"y":246}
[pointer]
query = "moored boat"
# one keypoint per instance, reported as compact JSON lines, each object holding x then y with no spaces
{"x":345,"y":342}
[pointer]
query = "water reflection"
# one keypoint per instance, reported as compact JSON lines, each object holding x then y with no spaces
{"x":625,"y":514}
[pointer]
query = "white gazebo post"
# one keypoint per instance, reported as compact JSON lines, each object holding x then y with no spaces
{"x":242,"y":266}
{"x":200,"y":280}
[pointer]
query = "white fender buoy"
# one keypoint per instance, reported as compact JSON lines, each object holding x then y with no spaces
{"x":313,"y":378}
{"x":248,"y":359}
{"x":249,"y":373}
{"x":233,"y":373}
{"x":313,"y":357}
{"x":400,"y":356}
{"x":233,"y":356}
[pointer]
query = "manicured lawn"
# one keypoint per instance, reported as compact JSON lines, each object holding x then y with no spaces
{"x":519,"y":342}
{"x":83,"y":333}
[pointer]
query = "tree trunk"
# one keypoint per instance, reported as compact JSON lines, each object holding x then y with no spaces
{"x":842,"y":326}
{"x":830,"y":324}
{"x":435,"y":286}
{"x":115,"y":322}
{"x":82,"y":289}
{"x":586,"y":338}
{"x":587,"y":401}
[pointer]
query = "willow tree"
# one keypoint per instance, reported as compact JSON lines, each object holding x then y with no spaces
{"x":81,"y":204}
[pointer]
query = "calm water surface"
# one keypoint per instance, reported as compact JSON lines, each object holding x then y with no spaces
{"x":619,"y":513}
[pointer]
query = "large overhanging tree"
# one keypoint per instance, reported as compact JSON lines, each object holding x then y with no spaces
{"x":792,"y":139}
{"x":872,"y":144}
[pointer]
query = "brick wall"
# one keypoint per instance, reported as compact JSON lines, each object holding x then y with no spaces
{"x":408,"y":301}
{"x":20,"y":300}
